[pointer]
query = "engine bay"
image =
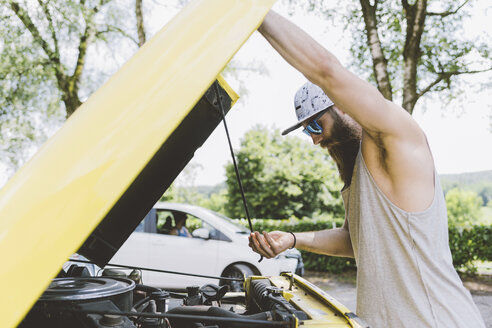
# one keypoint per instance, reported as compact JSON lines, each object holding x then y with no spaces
{"x":116,"y":299}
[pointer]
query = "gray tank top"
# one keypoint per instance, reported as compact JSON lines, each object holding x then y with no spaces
{"x":405,"y":275}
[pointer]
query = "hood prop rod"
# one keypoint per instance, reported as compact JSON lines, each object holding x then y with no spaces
{"x":238,"y":177}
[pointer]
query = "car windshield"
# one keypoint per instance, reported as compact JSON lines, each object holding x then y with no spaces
{"x":240,"y":228}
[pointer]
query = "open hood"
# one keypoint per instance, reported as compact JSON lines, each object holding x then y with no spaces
{"x":91,"y":183}
{"x":158,"y":174}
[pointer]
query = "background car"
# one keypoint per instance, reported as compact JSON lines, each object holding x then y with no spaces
{"x":219,"y":247}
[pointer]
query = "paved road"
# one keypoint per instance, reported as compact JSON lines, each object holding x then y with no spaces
{"x":345,"y":293}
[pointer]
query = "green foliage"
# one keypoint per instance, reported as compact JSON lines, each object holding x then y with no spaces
{"x":193,"y":223}
{"x":294,"y":224}
{"x":484,"y":190}
{"x":178,"y":194}
{"x":25,"y":82}
{"x":470,"y":244}
{"x":463,"y":207}
{"x":324,"y":263}
{"x":216,"y":201}
{"x":43,"y":65}
{"x":183,"y":190}
{"x":170,"y":195}
{"x":282,"y":177}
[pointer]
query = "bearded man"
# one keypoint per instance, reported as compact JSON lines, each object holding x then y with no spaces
{"x":395,"y":214}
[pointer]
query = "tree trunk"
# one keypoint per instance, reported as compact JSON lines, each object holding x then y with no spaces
{"x":379,"y":61}
{"x":415,"y":16}
{"x":140,"y":23}
{"x":71,"y":92}
{"x":72,"y":102}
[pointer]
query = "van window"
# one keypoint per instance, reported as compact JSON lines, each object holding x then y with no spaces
{"x":140,"y":227}
{"x":165,"y":221}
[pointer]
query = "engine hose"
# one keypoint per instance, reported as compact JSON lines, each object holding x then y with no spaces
{"x":217,"y":312}
{"x":147,"y":289}
{"x":139,"y":303}
{"x":259,"y":294}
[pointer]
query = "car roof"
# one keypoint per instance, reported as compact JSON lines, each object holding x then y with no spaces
{"x":89,"y":185}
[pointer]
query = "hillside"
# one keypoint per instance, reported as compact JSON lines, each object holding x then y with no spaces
{"x":466,"y":179}
{"x":448,"y":181}
{"x":479,"y":182}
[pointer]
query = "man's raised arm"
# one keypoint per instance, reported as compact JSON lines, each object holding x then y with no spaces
{"x":357,"y":98}
{"x":394,"y":147}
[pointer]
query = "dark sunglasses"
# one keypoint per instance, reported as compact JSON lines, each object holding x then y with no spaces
{"x":313,"y":126}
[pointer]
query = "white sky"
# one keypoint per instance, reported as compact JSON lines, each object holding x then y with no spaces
{"x":460,"y":143}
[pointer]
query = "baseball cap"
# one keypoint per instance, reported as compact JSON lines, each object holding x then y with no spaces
{"x":308,"y":101}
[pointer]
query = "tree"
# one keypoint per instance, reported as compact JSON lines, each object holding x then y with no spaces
{"x":44,"y":78}
{"x":52,"y":23}
{"x":417,"y":47}
{"x":216,"y":201}
{"x":484,"y":190}
{"x":282,"y":177}
{"x":463,"y":207}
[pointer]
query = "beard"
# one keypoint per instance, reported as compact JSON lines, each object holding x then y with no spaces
{"x":343,"y":145}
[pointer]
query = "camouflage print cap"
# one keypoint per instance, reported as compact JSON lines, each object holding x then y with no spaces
{"x":308,"y":101}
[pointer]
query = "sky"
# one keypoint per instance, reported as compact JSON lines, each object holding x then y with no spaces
{"x":461,"y":140}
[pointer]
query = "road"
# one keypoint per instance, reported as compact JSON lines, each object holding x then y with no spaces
{"x":345,"y":293}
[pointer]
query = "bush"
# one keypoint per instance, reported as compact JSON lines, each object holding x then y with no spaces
{"x":467,"y":244}
{"x":463,"y":207}
{"x":470,"y":244}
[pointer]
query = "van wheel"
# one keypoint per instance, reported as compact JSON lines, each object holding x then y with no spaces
{"x":237,"y":271}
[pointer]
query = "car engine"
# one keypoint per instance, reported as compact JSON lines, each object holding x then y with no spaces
{"x":75,"y":299}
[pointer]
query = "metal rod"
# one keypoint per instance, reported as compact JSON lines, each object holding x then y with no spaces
{"x":162,"y":271}
{"x":238,"y":177}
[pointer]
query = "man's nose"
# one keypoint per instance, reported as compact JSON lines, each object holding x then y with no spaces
{"x":316,"y":138}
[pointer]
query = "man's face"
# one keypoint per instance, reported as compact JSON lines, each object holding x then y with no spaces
{"x":337,"y":129}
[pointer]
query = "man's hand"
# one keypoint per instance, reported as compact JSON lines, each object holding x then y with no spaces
{"x":270,"y":244}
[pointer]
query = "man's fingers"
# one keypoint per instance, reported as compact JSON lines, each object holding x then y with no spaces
{"x":255,"y":245}
{"x":276,"y":247}
{"x":265,"y":247}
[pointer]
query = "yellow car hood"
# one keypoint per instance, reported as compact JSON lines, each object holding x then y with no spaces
{"x":91,"y":183}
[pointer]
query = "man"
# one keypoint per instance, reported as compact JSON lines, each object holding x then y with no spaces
{"x":396,"y":222}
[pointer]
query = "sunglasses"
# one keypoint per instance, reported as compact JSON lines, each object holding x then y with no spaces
{"x":313,"y":126}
